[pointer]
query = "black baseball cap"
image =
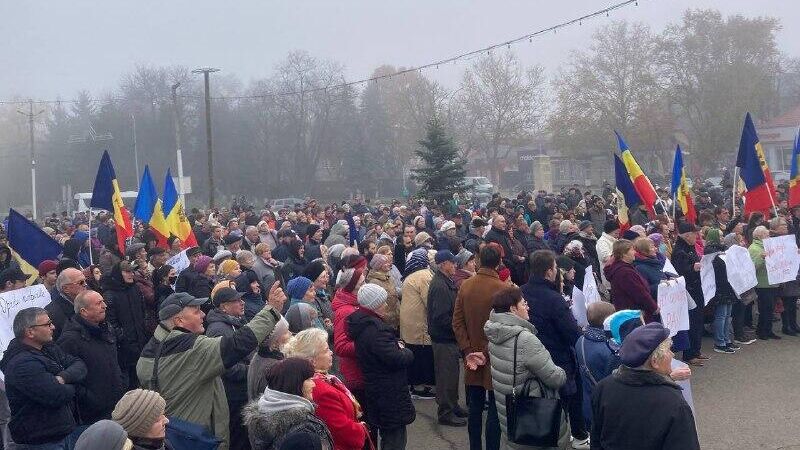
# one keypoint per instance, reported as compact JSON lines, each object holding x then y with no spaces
{"x":225,"y":295}
{"x":12,"y":274}
{"x":176,"y":302}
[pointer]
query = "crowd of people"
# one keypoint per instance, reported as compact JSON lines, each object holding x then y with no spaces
{"x":317,"y":326}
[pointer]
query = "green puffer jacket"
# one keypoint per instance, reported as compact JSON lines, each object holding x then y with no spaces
{"x":533,"y":360}
{"x":756,"y":249}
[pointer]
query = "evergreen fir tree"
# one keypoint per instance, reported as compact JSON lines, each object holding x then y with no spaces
{"x":443,"y":170}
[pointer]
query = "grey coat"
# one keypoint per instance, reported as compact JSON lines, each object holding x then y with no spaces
{"x":533,"y":360}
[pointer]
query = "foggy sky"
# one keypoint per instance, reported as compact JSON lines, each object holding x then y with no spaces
{"x":55,"y":48}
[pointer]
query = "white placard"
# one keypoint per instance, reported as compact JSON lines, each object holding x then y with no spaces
{"x":578,"y":307}
{"x":782,"y":259}
{"x":686,"y":385}
{"x":707,"y":278}
{"x":669,"y":268}
{"x":179,"y":262}
{"x":740,"y":268}
{"x":11,"y":303}
{"x":590,"y":292}
{"x":674,"y":305}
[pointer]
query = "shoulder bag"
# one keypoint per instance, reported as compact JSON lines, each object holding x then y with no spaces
{"x":182,"y":434}
{"x":534,"y":421}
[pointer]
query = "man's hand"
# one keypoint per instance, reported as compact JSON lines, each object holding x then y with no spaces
{"x":474,"y":360}
{"x":680,"y":374}
{"x":697,"y":267}
{"x":276,"y":296}
{"x":59,"y":379}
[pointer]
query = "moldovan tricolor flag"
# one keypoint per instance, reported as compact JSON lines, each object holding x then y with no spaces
{"x":641,"y":183}
{"x":753,"y":169}
{"x":30,"y":245}
{"x":680,"y":189}
{"x":148,"y":209}
{"x":176,"y":217}
{"x":106,"y":195}
{"x":794,"y":178}
{"x":627,"y":197}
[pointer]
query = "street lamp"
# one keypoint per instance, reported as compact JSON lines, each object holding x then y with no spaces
{"x":206,"y":71}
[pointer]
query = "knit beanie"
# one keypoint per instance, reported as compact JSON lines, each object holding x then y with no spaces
{"x":335,"y":251}
{"x":421,"y":238}
{"x":202,"y":263}
{"x":536,"y":226}
{"x":378,"y":261}
{"x":343,"y":278}
{"x":297,"y":287}
{"x":372,"y":296}
{"x":281,"y":328}
{"x":138,"y":410}
{"x":463,"y":257}
{"x":46,"y":266}
{"x":314,"y":269}
{"x":228,"y":266}
{"x":729,"y":240}
{"x":713,"y":236}
{"x":102,"y":435}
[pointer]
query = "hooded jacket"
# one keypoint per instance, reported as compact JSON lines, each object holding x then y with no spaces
{"x":533,"y":362}
{"x":41,"y":407}
{"x":384,"y":364}
{"x":338,"y":235}
{"x":96,"y":345}
{"x":636,"y":408}
{"x":126,"y":312}
{"x":629,"y":290}
{"x":652,"y":270}
{"x":235,"y":378}
{"x":344,"y":304}
{"x":277,"y":414}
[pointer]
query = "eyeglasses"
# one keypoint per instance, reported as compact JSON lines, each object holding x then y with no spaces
{"x":79,"y":282}
{"x":48,"y":324}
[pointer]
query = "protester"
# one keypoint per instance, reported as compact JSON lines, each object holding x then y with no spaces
{"x":47,"y":274}
{"x":639,"y":406}
{"x":414,"y":324}
{"x":345,"y":302}
{"x":104,"y":435}
{"x":268,"y":354}
{"x":69,"y":283}
{"x":724,"y":296}
{"x":141,"y":413}
{"x":595,"y":356}
{"x":518,"y":355}
{"x":379,"y":274}
{"x":629,"y":290}
{"x":766,"y":291}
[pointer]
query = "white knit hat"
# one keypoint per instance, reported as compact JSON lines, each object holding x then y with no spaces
{"x":372,"y":296}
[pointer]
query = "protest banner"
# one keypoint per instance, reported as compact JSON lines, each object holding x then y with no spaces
{"x":685,"y":384}
{"x":578,"y":307}
{"x":179,"y":261}
{"x":669,"y":268}
{"x":11,"y":303}
{"x":782,"y":260}
{"x":674,"y":305}
{"x":590,"y":292}
{"x":708,"y":280}
{"x":740,"y":268}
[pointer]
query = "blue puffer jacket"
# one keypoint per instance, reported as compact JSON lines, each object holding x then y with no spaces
{"x":596,"y":356}
{"x":652,"y":270}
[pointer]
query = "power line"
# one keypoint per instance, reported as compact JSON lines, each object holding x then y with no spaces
{"x":453,"y":59}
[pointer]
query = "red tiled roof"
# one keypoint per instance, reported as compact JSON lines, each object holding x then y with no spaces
{"x":790,"y":118}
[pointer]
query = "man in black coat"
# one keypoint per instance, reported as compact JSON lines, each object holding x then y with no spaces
{"x":687,"y":263}
{"x":87,"y":336}
{"x":474,"y":239}
{"x":515,"y":263}
{"x":446,"y":354}
{"x":188,"y":276}
{"x":69,"y":284}
{"x":558,"y":332}
{"x":40,"y":381}
{"x":125,"y":314}
{"x":639,"y":406}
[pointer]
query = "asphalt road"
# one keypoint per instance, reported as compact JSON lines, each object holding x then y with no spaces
{"x":745,"y":401}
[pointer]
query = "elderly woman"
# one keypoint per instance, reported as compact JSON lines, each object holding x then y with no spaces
{"x":336,"y":406}
{"x":268,"y":354}
{"x":574,"y":250}
{"x":517,"y":355}
{"x":379,"y":274}
{"x":766,"y":291}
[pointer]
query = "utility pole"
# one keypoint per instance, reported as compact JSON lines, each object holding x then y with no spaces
{"x":176,"y":117}
{"x":135,"y":152}
{"x":30,"y":115}
{"x":206,"y":71}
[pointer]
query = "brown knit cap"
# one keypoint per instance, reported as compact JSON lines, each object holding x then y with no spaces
{"x":138,"y":410}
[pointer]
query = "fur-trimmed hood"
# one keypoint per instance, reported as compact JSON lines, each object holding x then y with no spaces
{"x":276,"y":414}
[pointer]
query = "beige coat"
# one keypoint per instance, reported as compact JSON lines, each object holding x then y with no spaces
{"x":384,"y":280}
{"x":414,"y":308}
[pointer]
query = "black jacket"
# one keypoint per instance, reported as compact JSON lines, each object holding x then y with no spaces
{"x":725,"y":294}
{"x":186,"y":280}
{"x":235,"y":377}
{"x":102,"y":387}
{"x":684,"y":256}
{"x":641,"y":409}
{"x":383,"y":363}
{"x":125,"y":313}
{"x":41,"y":407}
{"x":556,"y":325}
{"x":60,"y":311}
{"x":473,"y":243}
{"x":400,"y":253}
{"x":441,"y":300}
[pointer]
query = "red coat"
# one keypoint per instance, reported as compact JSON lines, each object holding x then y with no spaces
{"x":337,"y":408}
{"x":629,"y":290}
{"x":345,"y":303}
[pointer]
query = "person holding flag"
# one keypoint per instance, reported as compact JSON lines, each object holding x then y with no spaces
{"x":148,"y":209}
{"x":177,"y":222}
{"x":794,"y":175}
{"x":753,"y":168}
{"x":680,"y":190}
{"x":106,"y":195}
{"x":642,"y":185}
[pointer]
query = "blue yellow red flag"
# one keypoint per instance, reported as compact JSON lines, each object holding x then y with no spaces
{"x":176,"y":217}
{"x":106,"y":195}
{"x":29,"y":244}
{"x":641,"y":183}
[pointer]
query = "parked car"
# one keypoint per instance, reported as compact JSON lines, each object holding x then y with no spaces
{"x":288,"y":203}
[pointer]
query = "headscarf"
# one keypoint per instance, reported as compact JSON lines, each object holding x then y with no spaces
{"x":301,"y":316}
{"x":416,"y":260}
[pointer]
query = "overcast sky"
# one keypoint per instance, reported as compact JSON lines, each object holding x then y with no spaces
{"x":55,"y":48}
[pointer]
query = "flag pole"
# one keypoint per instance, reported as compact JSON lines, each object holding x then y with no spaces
{"x":733,"y":193}
{"x":91,"y":261}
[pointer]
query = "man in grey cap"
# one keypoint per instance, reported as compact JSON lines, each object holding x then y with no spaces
{"x":639,"y":406}
{"x":185,"y":366}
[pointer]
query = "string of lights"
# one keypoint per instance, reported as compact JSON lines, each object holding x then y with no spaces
{"x":467,"y":56}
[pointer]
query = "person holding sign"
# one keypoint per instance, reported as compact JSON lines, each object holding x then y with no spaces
{"x":723,"y":299}
{"x":766,"y":292}
{"x":687,"y":263}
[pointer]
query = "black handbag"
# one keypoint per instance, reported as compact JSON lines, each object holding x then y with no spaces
{"x":532,"y":421}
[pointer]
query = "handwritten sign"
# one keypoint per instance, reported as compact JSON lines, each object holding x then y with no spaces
{"x":11,"y":303}
{"x":590,"y":292}
{"x":578,"y":307}
{"x":707,"y":278}
{"x":674,"y":305}
{"x":782,"y":260}
{"x":179,"y":261}
{"x":669,"y":268}
{"x":740,"y":268}
{"x":686,"y":385}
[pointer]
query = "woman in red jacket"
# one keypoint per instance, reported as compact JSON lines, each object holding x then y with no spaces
{"x":350,"y":278}
{"x":335,"y":405}
{"x":629,"y":290}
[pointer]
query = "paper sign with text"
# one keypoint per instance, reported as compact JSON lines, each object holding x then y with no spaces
{"x":590,"y":292}
{"x":740,"y":268}
{"x":669,"y":268}
{"x":578,"y":307}
{"x":674,"y":305}
{"x":13,"y":302}
{"x":782,"y":259}
{"x":179,"y":261}
{"x":707,"y":278}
